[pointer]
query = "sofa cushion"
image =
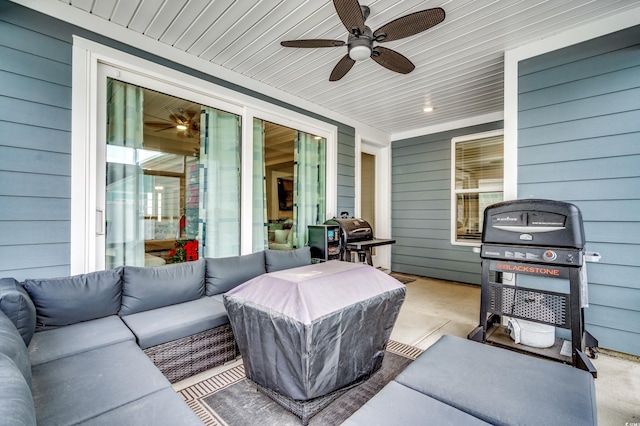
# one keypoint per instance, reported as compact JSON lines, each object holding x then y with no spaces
{"x":225,"y":273}
{"x":277,"y":260}
{"x":158,"y":286}
{"x":17,"y":407}
{"x":12,"y":346}
{"x":162,"y":408}
{"x":69,"y":300}
{"x":176,"y":321}
{"x":78,"y":388}
{"x":530,"y":391}
{"x":18,"y":306}
{"x":396,"y":404}
{"x":76,"y":338}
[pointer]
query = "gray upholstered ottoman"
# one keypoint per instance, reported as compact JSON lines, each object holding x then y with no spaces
{"x":490,"y":384}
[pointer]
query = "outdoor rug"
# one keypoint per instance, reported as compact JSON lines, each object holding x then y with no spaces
{"x":402,"y":278}
{"x":230,"y":399}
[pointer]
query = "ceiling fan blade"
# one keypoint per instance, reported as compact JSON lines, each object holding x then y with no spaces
{"x":178,"y":119}
{"x":159,"y":124}
{"x":392,"y":60}
{"x":350,"y":14}
{"x":409,"y":25}
{"x":342,"y":67}
{"x":313,"y":43}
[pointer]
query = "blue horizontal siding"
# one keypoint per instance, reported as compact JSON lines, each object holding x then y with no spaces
{"x":35,"y":232}
{"x":34,"y":256}
{"x":587,"y":88}
{"x":32,"y":137}
{"x":35,"y":160}
{"x":594,"y":127}
{"x":29,"y":89}
{"x":37,"y":272}
{"x":36,"y":67}
{"x":421,"y":209}
{"x":614,"y":338}
{"x":31,"y":208}
{"x":34,"y":185}
{"x":579,"y":125}
{"x":583,"y":149}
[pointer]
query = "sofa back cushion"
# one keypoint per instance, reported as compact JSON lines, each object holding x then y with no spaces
{"x":225,"y":273}
{"x":277,"y":260}
{"x":12,"y":346}
{"x":154,"y":287}
{"x":69,"y":300}
{"x":18,"y":306}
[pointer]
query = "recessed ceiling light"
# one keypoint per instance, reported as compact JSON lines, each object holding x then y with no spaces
{"x":428,"y":109}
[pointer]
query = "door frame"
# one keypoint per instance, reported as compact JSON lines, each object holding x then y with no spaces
{"x":382,"y":153}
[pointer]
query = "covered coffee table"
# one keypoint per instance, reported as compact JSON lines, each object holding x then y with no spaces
{"x":307,"y":332}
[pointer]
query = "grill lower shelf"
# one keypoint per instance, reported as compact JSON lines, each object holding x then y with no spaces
{"x":497,"y":337}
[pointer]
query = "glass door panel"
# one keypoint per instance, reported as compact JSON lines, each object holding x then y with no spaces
{"x":172,"y":181}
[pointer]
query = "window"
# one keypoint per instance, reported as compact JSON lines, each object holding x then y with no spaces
{"x":477,"y":172}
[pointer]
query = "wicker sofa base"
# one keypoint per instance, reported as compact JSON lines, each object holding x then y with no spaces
{"x":194,"y":354}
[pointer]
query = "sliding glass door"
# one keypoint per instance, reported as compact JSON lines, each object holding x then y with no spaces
{"x":172,"y":179}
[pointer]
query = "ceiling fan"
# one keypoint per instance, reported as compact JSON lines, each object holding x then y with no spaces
{"x":361,"y":38}
{"x":184,"y":122}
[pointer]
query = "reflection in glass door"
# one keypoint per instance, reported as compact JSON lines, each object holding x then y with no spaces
{"x":172,"y":181}
{"x":289,"y":185}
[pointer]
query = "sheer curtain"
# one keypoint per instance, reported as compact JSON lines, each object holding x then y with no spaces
{"x":260,"y":230}
{"x":219,"y":183}
{"x":309,"y":185}
{"x":124,"y":217}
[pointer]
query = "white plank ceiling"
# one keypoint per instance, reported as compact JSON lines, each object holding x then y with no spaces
{"x":459,"y":63}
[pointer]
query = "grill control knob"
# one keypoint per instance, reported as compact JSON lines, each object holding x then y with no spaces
{"x":549,"y":255}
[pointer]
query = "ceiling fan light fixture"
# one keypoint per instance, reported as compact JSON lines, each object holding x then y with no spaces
{"x":181,"y":127}
{"x":358,"y":53}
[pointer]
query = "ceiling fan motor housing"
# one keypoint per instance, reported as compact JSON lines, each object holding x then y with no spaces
{"x":360,"y":46}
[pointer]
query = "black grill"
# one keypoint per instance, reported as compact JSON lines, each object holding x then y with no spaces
{"x":542,"y":238}
{"x":356,"y":235}
{"x":352,"y":229}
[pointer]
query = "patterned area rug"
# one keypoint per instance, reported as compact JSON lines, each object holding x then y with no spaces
{"x":402,"y":278}
{"x":230,"y":399}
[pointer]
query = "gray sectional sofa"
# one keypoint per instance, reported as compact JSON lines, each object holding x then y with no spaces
{"x":104,"y":347}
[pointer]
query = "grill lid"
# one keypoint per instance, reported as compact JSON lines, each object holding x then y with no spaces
{"x":534,"y":222}
{"x":353,"y":229}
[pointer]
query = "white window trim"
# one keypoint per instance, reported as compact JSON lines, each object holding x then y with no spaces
{"x":91,"y":64}
{"x":454,"y":198}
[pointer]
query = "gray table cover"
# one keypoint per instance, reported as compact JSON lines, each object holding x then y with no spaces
{"x":307,"y":331}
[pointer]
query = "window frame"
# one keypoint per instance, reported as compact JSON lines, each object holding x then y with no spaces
{"x":455,"y":192}
{"x":92,"y":63}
